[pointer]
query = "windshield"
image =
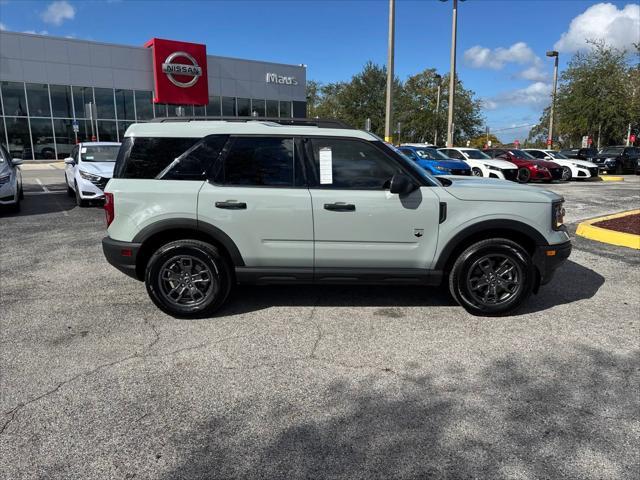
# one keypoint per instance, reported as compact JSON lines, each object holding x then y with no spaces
{"x":556,"y":154}
{"x":475,"y":154}
{"x":430,"y":154}
{"x":413,"y":165}
{"x":522,"y":154}
{"x":102,"y":153}
{"x":612,"y":150}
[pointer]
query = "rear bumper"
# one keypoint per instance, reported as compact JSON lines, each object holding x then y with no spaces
{"x":121,"y":255}
{"x":548,"y":258}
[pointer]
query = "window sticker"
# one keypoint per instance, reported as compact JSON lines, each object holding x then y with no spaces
{"x":84,"y":150}
{"x":326,"y":166}
{"x":89,"y":157}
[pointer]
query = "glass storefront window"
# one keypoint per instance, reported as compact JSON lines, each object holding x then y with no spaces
{"x":144,"y":105}
{"x":199,"y":111}
{"x":299,"y":109}
{"x":257,"y":108}
{"x":104,"y":102}
{"x":124,"y":105}
{"x":3,"y":138}
{"x":213,"y":109}
{"x":228,"y":106}
{"x":107,"y":131}
{"x":18,"y":137}
{"x":85,"y":131}
{"x":65,"y":138}
{"x":285,"y":109}
{"x":13,"y":98}
{"x":38,"y":100}
{"x":272,"y":108}
{"x":122,"y":128}
{"x":81,"y":97}
{"x":244,"y":107}
{"x":160,"y":109}
{"x":180,"y":110}
{"x":61,"y":101}
{"x":44,"y":147}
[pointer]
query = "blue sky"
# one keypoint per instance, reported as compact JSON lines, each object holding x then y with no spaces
{"x":501,"y":43}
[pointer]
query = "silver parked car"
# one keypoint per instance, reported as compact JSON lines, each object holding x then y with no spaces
{"x":10,"y":181}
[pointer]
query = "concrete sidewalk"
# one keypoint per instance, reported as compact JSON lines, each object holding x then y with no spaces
{"x":42,"y":166}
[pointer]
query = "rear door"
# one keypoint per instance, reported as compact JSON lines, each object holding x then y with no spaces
{"x":358,"y":223}
{"x":258,"y":197}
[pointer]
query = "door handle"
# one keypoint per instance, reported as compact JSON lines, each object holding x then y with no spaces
{"x":232,"y":205}
{"x":340,"y":207}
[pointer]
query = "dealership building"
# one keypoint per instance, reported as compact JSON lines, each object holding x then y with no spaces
{"x":55,"y":92}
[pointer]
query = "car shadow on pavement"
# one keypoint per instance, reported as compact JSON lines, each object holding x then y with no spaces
{"x":570,"y":415}
{"x":41,"y":204}
{"x":572,"y":283}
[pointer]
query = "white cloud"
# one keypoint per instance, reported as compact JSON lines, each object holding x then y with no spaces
{"x":603,"y":21}
{"x":536,"y":95}
{"x":535,"y":73}
{"x":57,"y":12}
{"x":482,"y":57}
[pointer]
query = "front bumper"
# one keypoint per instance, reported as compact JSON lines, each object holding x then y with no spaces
{"x":121,"y":255}
{"x":91,"y":190}
{"x":547,"y":258}
{"x":9,"y":192}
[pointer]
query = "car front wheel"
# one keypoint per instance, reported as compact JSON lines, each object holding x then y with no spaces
{"x":524,"y":175}
{"x":79,"y":201}
{"x":492,"y":277}
{"x":476,"y":172}
{"x":566,"y":174}
{"x":188,"y":279}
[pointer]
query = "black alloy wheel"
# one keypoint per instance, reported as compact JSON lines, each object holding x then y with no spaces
{"x":566,"y":174}
{"x":476,"y":172}
{"x":524,"y":175}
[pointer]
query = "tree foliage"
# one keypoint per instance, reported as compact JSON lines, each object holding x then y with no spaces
{"x":598,"y":95}
{"x":414,"y":104}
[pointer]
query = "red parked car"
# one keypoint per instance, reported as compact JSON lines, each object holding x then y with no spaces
{"x":529,"y":167}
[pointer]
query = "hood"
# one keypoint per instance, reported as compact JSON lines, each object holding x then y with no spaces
{"x":450,"y":164}
{"x":581,"y":163}
{"x":103,"y":169}
{"x":490,"y":189}
{"x":605,"y":156}
{"x":494,"y":162}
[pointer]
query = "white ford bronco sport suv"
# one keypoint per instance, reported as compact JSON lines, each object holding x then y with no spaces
{"x":195,"y":207}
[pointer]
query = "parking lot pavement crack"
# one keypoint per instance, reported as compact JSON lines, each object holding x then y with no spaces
{"x":319,"y":331}
{"x":155,"y":332}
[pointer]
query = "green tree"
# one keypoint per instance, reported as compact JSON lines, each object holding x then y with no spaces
{"x":481,"y":140}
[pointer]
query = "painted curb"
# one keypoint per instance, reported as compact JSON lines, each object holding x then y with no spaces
{"x":611,"y":178}
{"x":586,"y":229}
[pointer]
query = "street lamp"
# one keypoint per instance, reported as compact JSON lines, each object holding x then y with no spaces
{"x":554,"y":54}
{"x":438,"y":79}
{"x":452,"y":73}
{"x":389,"y":105}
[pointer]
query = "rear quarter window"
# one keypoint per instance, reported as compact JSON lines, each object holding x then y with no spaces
{"x":147,"y":157}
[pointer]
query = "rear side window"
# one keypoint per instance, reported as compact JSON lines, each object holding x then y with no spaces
{"x":146,"y":157}
{"x":259,"y":161}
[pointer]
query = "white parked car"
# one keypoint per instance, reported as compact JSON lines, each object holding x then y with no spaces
{"x":572,"y":168}
{"x":10,"y":181}
{"x":482,"y":165}
{"x":88,"y":170}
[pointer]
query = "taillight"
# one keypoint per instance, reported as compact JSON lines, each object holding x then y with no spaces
{"x":109,"y":209}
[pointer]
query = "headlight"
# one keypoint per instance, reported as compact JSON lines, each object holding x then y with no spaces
{"x":442,"y":169}
{"x":88,"y":176}
{"x":4,"y":179}
{"x":557,"y":215}
{"x":491,"y":167}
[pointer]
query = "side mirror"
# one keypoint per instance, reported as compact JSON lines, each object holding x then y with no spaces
{"x":16,"y":161}
{"x":401,"y":184}
{"x":69,"y":161}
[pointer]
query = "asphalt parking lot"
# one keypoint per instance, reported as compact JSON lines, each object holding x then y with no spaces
{"x":311,"y":382}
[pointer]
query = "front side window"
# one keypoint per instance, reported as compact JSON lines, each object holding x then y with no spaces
{"x":453,"y":154}
{"x":351,"y":164}
{"x":258,"y":161}
{"x":146,"y":157}
{"x":536,"y":153}
{"x":476,"y":154}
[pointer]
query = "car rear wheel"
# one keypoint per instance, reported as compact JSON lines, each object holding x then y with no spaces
{"x":524,"y":175}
{"x":492,"y":277}
{"x":476,"y":172}
{"x":188,"y":279}
{"x":566,"y":174}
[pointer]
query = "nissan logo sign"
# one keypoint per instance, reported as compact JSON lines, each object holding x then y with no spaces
{"x":192,"y":70}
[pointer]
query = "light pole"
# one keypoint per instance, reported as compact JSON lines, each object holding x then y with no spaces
{"x":437,"y":116}
{"x":388,"y":106}
{"x":452,"y":73}
{"x":554,"y":54}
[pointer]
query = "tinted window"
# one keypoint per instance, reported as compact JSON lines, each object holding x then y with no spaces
{"x":99,"y":153}
{"x":354,"y":165}
{"x":193,"y":164}
{"x":476,"y":154}
{"x":612,"y":151}
{"x":453,"y":154}
{"x":430,"y":154}
{"x":408,"y":153}
{"x":146,"y":157}
{"x":260,"y":162}
{"x":536,"y":153}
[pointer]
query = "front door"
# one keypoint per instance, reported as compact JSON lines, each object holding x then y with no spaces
{"x":358,"y":223}
{"x":259,"y":199}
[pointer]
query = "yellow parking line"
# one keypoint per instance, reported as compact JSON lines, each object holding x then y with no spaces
{"x":586,"y":229}
{"x":611,"y":178}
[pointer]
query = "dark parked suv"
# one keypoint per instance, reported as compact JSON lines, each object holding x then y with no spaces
{"x":618,"y":159}
{"x":587,"y":154}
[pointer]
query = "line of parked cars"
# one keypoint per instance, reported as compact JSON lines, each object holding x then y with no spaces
{"x":523,"y":165}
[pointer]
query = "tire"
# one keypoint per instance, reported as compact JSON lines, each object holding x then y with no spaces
{"x":479,"y":263}
{"x":476,"y":172}
{"x":184,"y":257}
{"x":70,"y":191}
{"x":79,"y":201}
{"x":21,"y":196}
{"x":566,"y":174}
{"x":524,"y":175}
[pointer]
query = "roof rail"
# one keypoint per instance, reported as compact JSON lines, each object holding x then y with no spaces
{"x":304,"y":122}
